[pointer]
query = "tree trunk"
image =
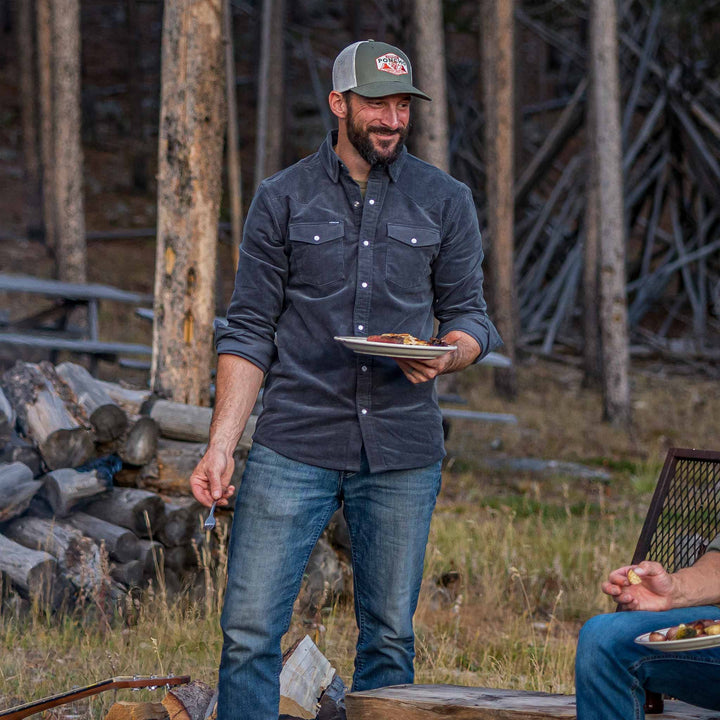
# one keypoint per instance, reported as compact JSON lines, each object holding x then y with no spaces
{"x":138,"y":447}
{"x":271,"y":92}
{"x":47,"y":135}
{"x":17,"y":489}
{"x":25,"y":35}
{"x":189,"y":702}
{"x":137,"y":510}
{"x":607,"y":148}
{"x":498,"y":81}
{"x":32,"y":571}
{"x":431,"y":118}
{"x":64,"y":489}
{"x":121,"y":544}
{"x":7,"y":418}
{"x":233,"y":152}
{"x":192,"y":123}
{"x":68,"y":157}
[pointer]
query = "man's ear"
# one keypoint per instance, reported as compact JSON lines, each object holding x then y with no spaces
{"x":337,"y":103}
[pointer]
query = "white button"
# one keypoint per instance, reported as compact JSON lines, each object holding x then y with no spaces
{"x":412,"y":240}
{"x":361,"y":327}
{"x":317,"y":237}
{"x":356,"y":203}
{"x":364,"y":368}
{"x":366,"y":243}
{"x":364,"y":411}
{"x":372,"y":202}
{"x":364,"y":285}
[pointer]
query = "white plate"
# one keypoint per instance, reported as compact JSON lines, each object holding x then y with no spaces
{"x":696,"y":643}
{"x":364,"y":346}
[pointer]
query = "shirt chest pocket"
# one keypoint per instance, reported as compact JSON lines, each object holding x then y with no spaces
{"x":316,"y":252}
{"x":410,"y":252}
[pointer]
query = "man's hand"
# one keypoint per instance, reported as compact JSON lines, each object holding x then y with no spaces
{"x":653,"y":592}
{"x":420,"y":371}
{"x":210,"y":480}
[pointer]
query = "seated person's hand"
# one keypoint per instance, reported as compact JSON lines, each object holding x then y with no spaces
{"x":653,"y":592}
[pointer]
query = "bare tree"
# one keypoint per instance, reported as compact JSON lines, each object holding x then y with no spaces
{"x":607,"y":148}
{"x":192,"y":126}
{"x":45,"y":104}
{"x":68,"y":156}
{"x":498,"y":82}
{"x":431,"y":118}
{"x":25,"y":35}
{"x":271,"y":92}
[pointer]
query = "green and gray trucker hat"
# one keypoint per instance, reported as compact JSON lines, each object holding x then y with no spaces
{"x":374,"y":69}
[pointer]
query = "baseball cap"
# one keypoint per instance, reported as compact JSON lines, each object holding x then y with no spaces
{"x":374,"y":69}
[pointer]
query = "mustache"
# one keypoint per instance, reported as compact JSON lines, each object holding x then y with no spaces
{"x":383,"y":131}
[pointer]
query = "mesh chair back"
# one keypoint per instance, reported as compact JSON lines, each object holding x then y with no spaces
{"x":684,"y":514}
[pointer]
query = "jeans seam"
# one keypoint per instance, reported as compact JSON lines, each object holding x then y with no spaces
{"x":359,"y":664}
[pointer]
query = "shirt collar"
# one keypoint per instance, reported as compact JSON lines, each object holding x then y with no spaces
{"x":332,"y":163}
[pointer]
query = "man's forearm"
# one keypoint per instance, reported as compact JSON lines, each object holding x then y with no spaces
{"x":237,"y":385}
{"x":467,"y":350}
{"x":698,"y":584}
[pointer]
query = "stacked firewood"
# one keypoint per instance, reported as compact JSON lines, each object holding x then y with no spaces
{"x":94,"y":494}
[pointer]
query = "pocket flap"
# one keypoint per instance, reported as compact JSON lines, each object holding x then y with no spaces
{"x":315,"y":233}
{"x":414,"y":236}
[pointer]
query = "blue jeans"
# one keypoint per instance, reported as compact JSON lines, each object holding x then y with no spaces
{"x":282,"y":507}
{"x":612,"y":672}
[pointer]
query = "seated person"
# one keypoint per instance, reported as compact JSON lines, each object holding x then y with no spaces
{"x":612,"y":672}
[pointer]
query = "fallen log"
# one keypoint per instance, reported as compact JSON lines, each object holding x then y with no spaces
{"x":130,"y":574}
{"x":7,"y":418}
{"x":139,"y":445}
{"x":152,"y":557}
{"x":77,"y":556}
{"x":31,"y":571}
{"x":189,"y":702}
{"x":122,"y":545}
{"x":174,"y":462}
{"x":137,"y":711}
{"x":138,"y":510}
{"x":17,"y":489}
{"x":65,"y":489}
{"x":107,"y":418}
{"x":183,"y":515}
{"x":43,"y":417}
{"x":17,"y":449}
{"x":130,"y":400}
{"x":190,"y":422}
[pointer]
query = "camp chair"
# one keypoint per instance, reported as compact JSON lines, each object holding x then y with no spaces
{"x":684,"y":516}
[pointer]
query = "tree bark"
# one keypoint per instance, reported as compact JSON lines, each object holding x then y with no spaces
{"x":138,"y":447}
{"x":47,"y":135}
{"x":17,"y":489}
{"x":607,"y":148}
{"x":137,"y":510}
{"x":65,"y":489}
{"x":25,"y":34}
{"x":7,"y":418}
{"x":68,"y":156}
{"x":192,"y":123}
{"x":32,"y":571}
{"x":431,"y":118}
{"x":189,"y":702}
{"x":271,"y":91}
{"x":121,"y":544}
{"x":498,"y":81}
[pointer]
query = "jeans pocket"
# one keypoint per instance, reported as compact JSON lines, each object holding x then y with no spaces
{"x":316,"y":252}
{"x":410,"y":253}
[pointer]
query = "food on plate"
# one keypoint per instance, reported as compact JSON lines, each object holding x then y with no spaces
{"x":633,"y":577}
{"x":405,"y":339}
{"x":684,"y":631}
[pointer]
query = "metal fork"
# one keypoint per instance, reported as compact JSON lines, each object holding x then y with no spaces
{"x":209,"y":523}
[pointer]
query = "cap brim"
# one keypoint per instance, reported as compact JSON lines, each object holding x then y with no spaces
{"x":389,"y":87}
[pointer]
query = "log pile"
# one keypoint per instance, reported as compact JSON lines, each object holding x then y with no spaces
{"x":94,"y":496}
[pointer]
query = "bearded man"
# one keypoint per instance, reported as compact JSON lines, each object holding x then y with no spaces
{"x":359,"y":238}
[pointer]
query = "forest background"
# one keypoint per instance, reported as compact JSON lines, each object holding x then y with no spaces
{"x":516,"y":553}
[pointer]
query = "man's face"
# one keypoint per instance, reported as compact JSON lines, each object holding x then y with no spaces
{"x":377,"y":127}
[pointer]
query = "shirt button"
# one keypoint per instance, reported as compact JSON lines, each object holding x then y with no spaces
{"x":316,"y":238}
{"x":364,"y":411}
{"x":372,"y":202}
{"x":365,"y":243}
{"x":361,"y":327}
{"x":364,"y":368}
{"x":364,"y":285}
{"x":356,"y":203}
{"x":412,"y":240}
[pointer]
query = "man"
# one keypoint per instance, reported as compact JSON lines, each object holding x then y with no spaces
{"x":612,"y":672}
{"x":360,"y":238}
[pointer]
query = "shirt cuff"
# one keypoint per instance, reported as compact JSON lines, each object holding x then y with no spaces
{"x":483,"y":331}
{"x":237,"y":341}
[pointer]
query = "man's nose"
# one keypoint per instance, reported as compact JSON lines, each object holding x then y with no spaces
{"x":391,"y":118}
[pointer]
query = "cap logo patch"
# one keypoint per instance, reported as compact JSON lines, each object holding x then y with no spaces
{"x":392,"y":63}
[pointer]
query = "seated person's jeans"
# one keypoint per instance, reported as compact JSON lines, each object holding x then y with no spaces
{"x":612,"y":671}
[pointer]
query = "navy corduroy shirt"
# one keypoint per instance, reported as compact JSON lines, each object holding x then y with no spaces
{"x":317,"y":260}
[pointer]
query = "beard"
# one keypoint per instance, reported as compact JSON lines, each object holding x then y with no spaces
{"x":387,"y":146}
